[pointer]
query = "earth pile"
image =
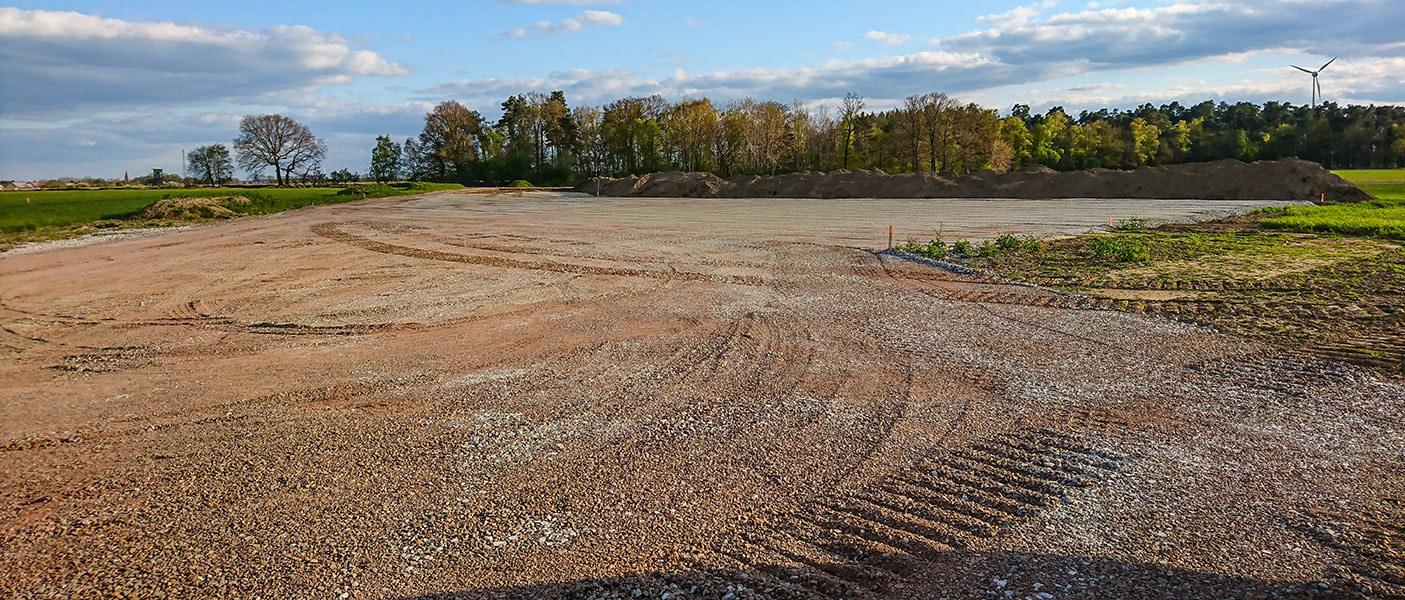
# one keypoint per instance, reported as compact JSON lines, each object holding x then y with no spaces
{"x":1289,"y":179}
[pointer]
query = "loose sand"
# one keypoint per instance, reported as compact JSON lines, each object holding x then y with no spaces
{"x":558,"y":396}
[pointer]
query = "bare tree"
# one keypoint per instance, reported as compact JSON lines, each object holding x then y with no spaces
{"x":849,"y":110}
{"x":939,"y":115}
{"x":279,"y":142}
{"x":591,"y":154}
{"x":913,"y":114}
{"x":765,"y":133}
{"x":211,"y":164}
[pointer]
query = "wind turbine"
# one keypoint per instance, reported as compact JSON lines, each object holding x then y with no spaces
{"x":1316,"y":87}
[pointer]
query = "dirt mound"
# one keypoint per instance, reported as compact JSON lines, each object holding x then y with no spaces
{"x":671,"y":184}
{"x":1289,"y":179}
{"x":190,"y":209}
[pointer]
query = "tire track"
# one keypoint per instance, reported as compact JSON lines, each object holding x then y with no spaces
{"x":332,"y":232}
{"x":885,"y":536}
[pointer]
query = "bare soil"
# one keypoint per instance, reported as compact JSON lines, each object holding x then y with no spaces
{"x":545,"y":395}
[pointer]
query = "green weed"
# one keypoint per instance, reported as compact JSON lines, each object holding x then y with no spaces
{"x":1131,"y":224}
{"x":1122,"y":250}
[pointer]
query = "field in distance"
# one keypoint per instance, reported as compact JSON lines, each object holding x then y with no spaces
{"x":33,"y":216}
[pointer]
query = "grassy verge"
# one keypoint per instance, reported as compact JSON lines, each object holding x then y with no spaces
{"x":1337,"y":296}
{"x":1379,"y":218}
{"x":1383,"y":218}
{"x":48,"y":215}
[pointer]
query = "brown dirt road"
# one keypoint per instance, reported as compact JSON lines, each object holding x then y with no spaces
{"x":549,"y":396}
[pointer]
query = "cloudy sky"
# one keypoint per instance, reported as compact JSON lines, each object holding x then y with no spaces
{"x":99,"y":88}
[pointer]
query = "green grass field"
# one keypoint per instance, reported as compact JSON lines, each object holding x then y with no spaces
{"x":1384,"y":218}
{"x":42,"y":215}
{"x":1386,"y":184}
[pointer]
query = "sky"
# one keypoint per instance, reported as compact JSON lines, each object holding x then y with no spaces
{"x":102,"y":88}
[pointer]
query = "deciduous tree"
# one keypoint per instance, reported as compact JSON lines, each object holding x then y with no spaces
{"x":385,"y":160}
{"x":211,"y":164}
{"x":450,"y":140}
{"x":849,"y":110}
{"x":279,"y":142}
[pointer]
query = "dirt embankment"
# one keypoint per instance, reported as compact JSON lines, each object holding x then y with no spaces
{"x":191,"y":209}
{"x":1289,"y":179}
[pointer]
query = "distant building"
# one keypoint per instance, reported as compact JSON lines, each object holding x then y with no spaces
{"x":17,"y":186}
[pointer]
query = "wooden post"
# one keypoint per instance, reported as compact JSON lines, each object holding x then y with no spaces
{"x":890,"y":237}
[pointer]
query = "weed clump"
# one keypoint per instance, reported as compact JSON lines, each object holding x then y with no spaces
{"x":1131,"y":224}
{"x":1005,"y":244}
{"x":1121,"y":250}
{"x":932,"y":249}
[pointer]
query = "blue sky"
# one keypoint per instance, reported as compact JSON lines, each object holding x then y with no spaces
{"x":99,"y":88}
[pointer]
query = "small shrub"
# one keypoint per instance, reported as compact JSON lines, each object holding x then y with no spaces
{"x":1131,"y":224}
{"x":521,"y":183}
{"x":961,"y":247}
{"x":1016,"y":243}
{"x":1120,"y":250}
{"x":931,"y":249}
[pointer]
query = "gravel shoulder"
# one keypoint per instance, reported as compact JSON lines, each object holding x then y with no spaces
{"x":551,"y":395}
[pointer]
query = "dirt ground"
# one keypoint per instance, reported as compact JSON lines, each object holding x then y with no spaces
{"x":542,"y":395}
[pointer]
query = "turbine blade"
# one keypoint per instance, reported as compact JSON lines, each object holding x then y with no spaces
{"x":1301,"y":69}
{"x":1334,"y":59}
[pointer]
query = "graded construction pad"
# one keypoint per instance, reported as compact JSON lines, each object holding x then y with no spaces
{"x":1289,"y":179}
{"x":559,"y":396}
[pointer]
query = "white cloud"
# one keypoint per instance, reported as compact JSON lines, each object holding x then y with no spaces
{"x":1025,"y":46}
{"x":841,"y":46}
{"x":1020,"y":15}
{"x":69,"y":60}
{"x":890,"y":39}
{"x":587,"y":18}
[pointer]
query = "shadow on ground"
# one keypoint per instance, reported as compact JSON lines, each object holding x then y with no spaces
{"x":957,"y":574}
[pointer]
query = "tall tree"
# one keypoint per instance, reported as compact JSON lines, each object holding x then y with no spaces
{"x":211,"y":164}
{"x":688,"y":129}
{"x":765,"y":134}
{"x":631,"y":131}
{"x":385,"y":160}
{"x":729,"y":139}
{"x":1145,"y":138}
{"x":1016,"y":135}
{"x":1050,"y":138}
{"x":279,"y":142}
{"x":412,"y":165}
{"x":450,"y":140}
{"x":849,"y":110}
{"x":590,"y":152}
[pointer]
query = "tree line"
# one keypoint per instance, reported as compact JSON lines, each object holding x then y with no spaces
{"x":540,"y":138}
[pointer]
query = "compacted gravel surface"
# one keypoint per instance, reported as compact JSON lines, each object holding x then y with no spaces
{"x":557,"y":396}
